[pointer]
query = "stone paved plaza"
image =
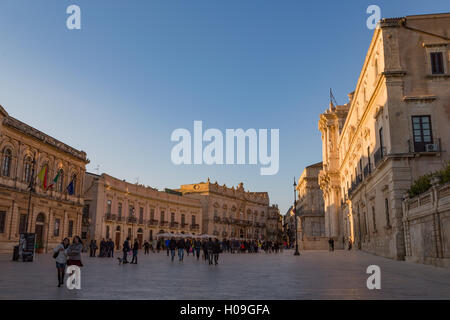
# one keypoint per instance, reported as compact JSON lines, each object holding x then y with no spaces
{"x":313,"y":275}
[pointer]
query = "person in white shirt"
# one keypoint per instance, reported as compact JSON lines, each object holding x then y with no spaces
{"x":60,"y":255}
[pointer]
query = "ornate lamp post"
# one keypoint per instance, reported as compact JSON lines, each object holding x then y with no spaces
{"x":296,"y":253}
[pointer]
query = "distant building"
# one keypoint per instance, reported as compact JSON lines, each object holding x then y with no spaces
{"x":118,"y":209}
{"x":394,"y":129}
{"x":231,"y":212}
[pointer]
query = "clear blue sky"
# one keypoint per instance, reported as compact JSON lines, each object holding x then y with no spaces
{"x":137,"y":70}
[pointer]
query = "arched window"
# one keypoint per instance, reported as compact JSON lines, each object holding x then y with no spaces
{"x":40,"y":218}
{"x":27,"y":164}
{"x":7,"y":157}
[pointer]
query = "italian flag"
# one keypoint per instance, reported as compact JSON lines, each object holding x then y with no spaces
{"x":55,"y":180}
{"x":43,"y":177}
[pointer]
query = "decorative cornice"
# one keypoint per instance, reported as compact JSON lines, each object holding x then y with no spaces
{"x":34,"y":133}
{"x":429,"y":98}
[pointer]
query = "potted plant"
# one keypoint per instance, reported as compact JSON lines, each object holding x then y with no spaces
{"x":39,"y":247}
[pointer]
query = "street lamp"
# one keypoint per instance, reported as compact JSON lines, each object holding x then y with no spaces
{"x":296,"y":253}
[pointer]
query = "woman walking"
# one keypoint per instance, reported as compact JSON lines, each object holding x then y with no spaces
{"x":74,"y":252}
{"x":60,"y":254}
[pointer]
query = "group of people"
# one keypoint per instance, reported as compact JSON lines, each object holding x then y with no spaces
{"x":211,"y":249}
{"x":67,"y":254}
{"x":106,"y":248}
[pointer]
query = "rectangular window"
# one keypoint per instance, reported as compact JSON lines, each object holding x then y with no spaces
{"x":193,"y":220}
{"x":23,"y":223}
{"x":56,"y":229}
{"x":130,"y":211}
{"x":107,"y":232}
{"x":119,"y":209}
{"x":108,"y":207}
{"x":141,"y":214}
{"x":386,"y":204}
{"x":380,"y":136}
{"x":2,"y":221}
{"x":374,"y":219}
{"x":70,"y":233}
{"x":421,"y":132}
{"x":152,"y":214}
{"x":183,"y":218}
{"x":162,"y":216}
{"x":437,"y":63}
{"x":172,"y":217}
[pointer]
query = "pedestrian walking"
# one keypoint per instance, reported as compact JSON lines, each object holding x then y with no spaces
{"x":146,"y":247}
{"x":125,"y":249}
{"x":216,"y":251}
{"x":197,"y":247}
{"x":181,"y":245}
{"x":210,"y":247}
{"x":74,"y":252}
{"x":60,"y":254}
{"x":135,"y":251}
{"x":172,"y":246}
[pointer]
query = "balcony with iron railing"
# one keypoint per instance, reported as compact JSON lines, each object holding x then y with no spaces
{"x":163,"y":223}
{"x":131,"y":219}
{"x":152,"y":223}
{"x":216,"y":219}
{"x":173,"y":224}
{"x":379,"y":155}
{"x":184,"y":224}
{"x":110,"y":217}
{"x":225,"y":220}
{"x":367,"y":170}
{"x":141,"y":221}
{"x":195,"y":227}
{"x":120,"y":219}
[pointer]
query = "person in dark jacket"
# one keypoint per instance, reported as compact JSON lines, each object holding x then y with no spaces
{"x":126,"y":248}
{"x":135,"y":251}
{"x":205,"y":249}
{"x":146,"y":247}
{"x":93,"y":248}
{"x":210,"y":246}
{"x":110,"y":248}
{"x":172,"y":247}
{"x":197,"y":247}
{"x":216,"y":251}
{"x":181,"y":245}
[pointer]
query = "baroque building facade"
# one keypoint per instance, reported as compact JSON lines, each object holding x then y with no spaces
{"x":51,"y":213}
{"x":231,"y":212}
{"x":310,"y":210}
{"x":394,"y":129}
{"x":118,"y":209}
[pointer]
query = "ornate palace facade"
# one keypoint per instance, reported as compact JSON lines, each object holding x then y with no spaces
{"x":231,"y":212}
{"x":394,"y":129}
{"x":118,"y":209}
{"x":52,"y":213}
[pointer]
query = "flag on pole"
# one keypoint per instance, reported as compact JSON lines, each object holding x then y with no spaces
{"x":55,"y":180}
{"x":43,"y":177}
{"x":70,"y":188}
